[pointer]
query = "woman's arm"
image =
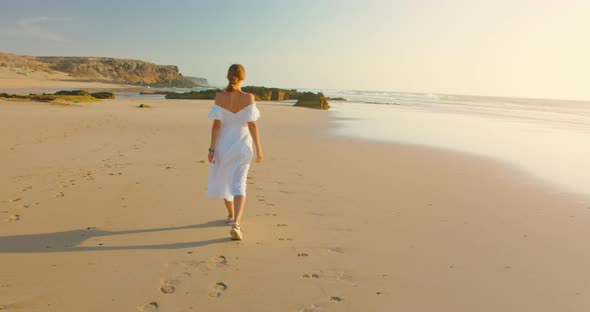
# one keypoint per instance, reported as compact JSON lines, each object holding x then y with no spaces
{"x":256,"y":138}
{"x":214,"y":134}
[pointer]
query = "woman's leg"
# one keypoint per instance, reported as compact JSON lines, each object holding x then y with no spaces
{"x":230,"y":208}
{"x":239,"y":203}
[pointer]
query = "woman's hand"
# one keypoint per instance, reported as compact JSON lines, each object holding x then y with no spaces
{"x":259,"y":157}
{"x":210,"y":157}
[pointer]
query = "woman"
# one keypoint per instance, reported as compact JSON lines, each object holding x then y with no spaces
{"x":234,"y":115}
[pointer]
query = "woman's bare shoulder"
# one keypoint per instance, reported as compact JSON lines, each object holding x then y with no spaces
{"x":249,"y":98}
{"x":220,"y":96}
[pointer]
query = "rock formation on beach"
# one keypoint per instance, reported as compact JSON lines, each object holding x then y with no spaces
{"x":193,"y":95}
{"x":313,"y":100}
{"x":102,"y":69}
{"x":260,"y":94}
{"x":305,"y":99}
{"x":272,"y":94}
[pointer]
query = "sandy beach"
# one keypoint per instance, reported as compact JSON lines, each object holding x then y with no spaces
{"x":102,"y":208}
{"x":26,"y":81}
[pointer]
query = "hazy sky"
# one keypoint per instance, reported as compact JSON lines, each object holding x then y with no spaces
{"x":536,"y":48}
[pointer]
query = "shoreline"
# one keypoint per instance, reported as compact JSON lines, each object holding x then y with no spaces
{"x":332,"y":222}
{"x":516,"y":169}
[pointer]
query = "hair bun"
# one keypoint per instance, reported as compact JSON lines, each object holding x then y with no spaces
{"x":233,"y":80}
{"x":235,"y":74}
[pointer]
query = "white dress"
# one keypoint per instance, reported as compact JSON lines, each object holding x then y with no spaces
{"x":233,"y":152}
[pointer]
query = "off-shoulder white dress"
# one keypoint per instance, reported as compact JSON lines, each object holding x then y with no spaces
{"x":233,"y":152}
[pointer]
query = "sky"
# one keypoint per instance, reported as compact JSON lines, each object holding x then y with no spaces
{"x":522,"y":48}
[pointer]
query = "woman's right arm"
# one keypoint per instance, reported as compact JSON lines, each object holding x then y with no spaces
{"x":214,"y":134}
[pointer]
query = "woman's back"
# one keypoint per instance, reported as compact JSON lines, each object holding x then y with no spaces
{"x":234,"y":101}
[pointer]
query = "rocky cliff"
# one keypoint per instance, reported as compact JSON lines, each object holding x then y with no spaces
{"x":103,"y":69}
{"x":118,"y":70}
{"x":199,"y":82}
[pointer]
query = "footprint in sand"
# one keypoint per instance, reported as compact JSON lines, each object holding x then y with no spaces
{"x":13,"y":218}
{"x":314,"y":276}
{"x":14,"y":200}
{"x":336,"y":299}
{"x":26,"y":188}
{"x":281,"y":224}
{"x":302,"y":254}
{"x":168,"y":286}
{"x":220,"y":260}
{"x":150,"y":306}
{"x":285,"y":239}
{"x":217,"y":290}
{"x":59,"y":194}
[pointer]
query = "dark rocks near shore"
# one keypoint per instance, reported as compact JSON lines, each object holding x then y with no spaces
{"x":75,"y":96}
{"x":103,"y":95}
{"x":73,"y":92}
{"x":193,"y":95}
{"x":272,"y":94}
{"x":305,"y":99}
{"x":313,"y":100}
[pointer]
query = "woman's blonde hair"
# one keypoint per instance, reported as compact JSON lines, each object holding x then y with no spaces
{"x":235,"y":74}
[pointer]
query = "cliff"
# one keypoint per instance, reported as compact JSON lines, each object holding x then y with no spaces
{"x":118,"y":70}
{"x":103,"y":69}
{"x":199,"y":82}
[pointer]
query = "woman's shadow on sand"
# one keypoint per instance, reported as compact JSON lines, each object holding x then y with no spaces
{"x":68,"y":241}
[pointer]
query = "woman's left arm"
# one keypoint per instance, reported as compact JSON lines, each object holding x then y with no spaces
{"x":256,"y":138}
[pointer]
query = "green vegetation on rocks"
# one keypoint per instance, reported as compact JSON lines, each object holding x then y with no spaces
{"x":73,"y":92}
{"x":61,"y":97}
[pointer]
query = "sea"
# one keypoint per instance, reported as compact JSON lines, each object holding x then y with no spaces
{"x":549,"y":139}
